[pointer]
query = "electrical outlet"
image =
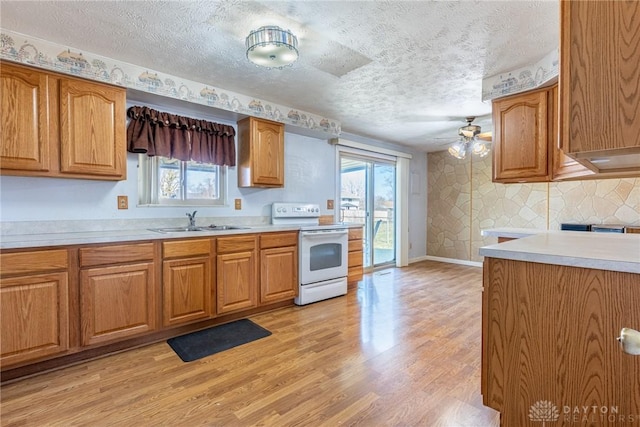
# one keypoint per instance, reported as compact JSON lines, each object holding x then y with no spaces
{"x":329,"y":204}
{"x":123,"y":202}
{"x":238,"y":204}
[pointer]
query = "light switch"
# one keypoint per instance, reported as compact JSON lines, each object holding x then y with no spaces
{"x":329,"y":204}
{"x":238,"y":203}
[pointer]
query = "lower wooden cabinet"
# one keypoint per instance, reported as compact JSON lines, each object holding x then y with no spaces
{"x":237,"y":273}
{"x":186,"y":281}
{"x":34,"y":305}
{"x":549,"y":334}
{"x":356,"y":256}
{"x":117,"y":292}
{"x":278,"y":267}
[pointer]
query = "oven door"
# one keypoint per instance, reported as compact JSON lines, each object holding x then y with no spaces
{"x":323,"y":255}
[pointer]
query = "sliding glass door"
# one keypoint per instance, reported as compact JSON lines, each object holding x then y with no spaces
{"x":367,"y":196}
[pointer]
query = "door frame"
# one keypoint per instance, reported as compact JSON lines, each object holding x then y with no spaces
{"x":402,"y":189}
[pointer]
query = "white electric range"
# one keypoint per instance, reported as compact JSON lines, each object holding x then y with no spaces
{"x":322,"y":251}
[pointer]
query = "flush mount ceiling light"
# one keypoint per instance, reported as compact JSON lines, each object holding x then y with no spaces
{"x":272,"y":47}
{"x":469,"y":142}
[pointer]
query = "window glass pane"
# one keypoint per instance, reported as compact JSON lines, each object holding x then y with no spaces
{"x":202,"y":181}
{"x":168,"y":178}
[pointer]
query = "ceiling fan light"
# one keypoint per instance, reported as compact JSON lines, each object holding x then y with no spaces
{"x":480,"y":148}
{"x":272,"y":47}
{"x":458,"y":150}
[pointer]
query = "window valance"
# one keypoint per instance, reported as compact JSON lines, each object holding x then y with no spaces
{"x":168,"y":135}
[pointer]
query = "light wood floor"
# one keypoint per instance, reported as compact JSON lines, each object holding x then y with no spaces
{"x":404,"y":350}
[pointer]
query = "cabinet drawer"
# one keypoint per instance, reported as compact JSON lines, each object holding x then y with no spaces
{"x":355,"y":274}
{"x":236,"y":244}
{"x":355,"y":258}
{"x":182,"y":248}
{"x":104,"y":255}
{"x":355,"y":233}
{"x":33,"y":262}
{"x":355,"y":245}
{"x":278,"y":240}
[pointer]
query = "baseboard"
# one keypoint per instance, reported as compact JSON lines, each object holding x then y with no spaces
{"x":450,"y":260}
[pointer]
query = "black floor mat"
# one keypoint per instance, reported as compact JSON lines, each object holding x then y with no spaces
{"x":197,"y":345}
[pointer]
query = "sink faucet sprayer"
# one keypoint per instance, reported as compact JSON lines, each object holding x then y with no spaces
{"x":192,"y":220}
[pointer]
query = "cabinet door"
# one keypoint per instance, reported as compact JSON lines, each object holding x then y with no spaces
{"x":260,"y":153}
{"x":520,"y":138}
{"x":187,"y":290}
{"x":92,"y":129}
{"x":25,"y":119}
{"x":549,"y":333}
{"x":117,"y":302}
{"x":278,"y":274}
{"x":268,"y":153}
{"x":599,"y":59}
{"x":35,"y":317}
{"x":236,"y":281}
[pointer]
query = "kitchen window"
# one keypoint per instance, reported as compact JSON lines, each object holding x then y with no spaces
{"x":173,"y":182}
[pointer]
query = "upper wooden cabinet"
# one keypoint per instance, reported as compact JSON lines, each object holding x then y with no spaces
{"x":60,"y":126}
{"x":526,"y":146}
{"x":261,"y":153}
{"x":599,"y":97}
{"x":520,"y":138}
{"x":25,"y":119}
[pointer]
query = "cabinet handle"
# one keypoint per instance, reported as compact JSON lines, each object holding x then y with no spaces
{"x":630,"y":341}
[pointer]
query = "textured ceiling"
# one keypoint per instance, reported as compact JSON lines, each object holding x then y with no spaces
{"x":401,"y":71}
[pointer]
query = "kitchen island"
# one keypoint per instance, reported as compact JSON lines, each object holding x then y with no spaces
{"x":553,"y":305}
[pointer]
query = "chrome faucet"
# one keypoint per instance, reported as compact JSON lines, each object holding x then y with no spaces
{"x":192,"y":220}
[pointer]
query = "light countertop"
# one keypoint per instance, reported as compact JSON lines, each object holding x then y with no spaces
{"x":602,"y":251}
{"x":38,"y":240}
{"x":90,"y":237}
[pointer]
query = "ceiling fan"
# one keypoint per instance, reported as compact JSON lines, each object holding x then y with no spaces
{"x":471,"y":141}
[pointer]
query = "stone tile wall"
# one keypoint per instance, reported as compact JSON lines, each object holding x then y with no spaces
{"x":462,"y":201}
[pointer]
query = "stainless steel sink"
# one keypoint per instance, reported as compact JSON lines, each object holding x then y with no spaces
{"x":191,"y":229}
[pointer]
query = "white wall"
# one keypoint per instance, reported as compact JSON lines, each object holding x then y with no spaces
{"x":310,"y":176}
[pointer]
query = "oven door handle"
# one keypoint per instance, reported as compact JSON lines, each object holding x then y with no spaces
{"x":323,"y":233}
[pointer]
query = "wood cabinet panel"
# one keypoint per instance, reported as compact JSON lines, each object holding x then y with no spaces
{"x":261,"y":153}
{"x":355,"y":256}
{"x":35,"y":317}
{"x":278,"y":274}
{"x":185,"y":248}
{"x":102,"y":255}
{"x":549,"y":333}
{"x":599,"y":76}
{"x":236,"y":281}
{"x":186,"y":290}
{"x":24,"y":140}
{"x":117,"y":302}
{"x":520,"y":138}
{"x":60,"y":126}
{"x":564,"y":167}
{"x":236,"y":244}
{"x":92,"y":129}
{"x":355,"y":233}
{"x":33,"y":261}
{"x":277,"y":240}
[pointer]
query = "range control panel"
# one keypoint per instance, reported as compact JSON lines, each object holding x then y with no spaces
{"x":295,"y":210}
